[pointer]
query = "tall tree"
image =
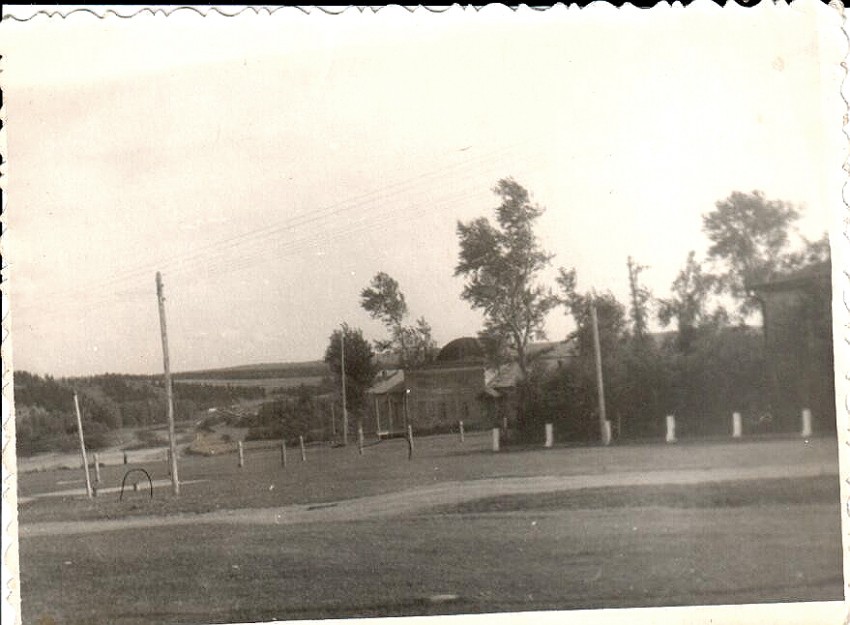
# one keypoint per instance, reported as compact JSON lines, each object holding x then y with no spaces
{"x":749,"y":234}
{"x":383,"y":300}
{"x":360,"y":367}
{"x":641,"y":297}
{"x":689,"y":303}
{"x":611,"y":316}
{"x":500,"y":265}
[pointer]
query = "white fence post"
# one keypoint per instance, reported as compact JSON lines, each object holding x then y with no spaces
{"x":671,"y":429}
{"x":241,"y":454}
{"x":460,"y":426}
{"x":495,"y":439}
{"x":303,"y":451}
{"x":736,"y":425}
{"x":550,"y":436}
{"x":807,"y":423}
{"x":96,"y":470}
{"x":360,"y":438}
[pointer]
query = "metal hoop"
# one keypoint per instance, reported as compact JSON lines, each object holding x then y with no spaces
{"x":124,"y":481}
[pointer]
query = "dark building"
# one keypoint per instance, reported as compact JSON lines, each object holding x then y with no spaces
{"x":797,"y":316}
{"x":459,"y":385}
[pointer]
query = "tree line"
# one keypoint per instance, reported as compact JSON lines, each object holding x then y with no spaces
{"x":709,"y":363}
{"x":44,"y":407}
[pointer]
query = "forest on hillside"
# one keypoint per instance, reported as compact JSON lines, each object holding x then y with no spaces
{"x":45,"y":418}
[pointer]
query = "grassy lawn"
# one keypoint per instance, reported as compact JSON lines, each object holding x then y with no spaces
{"x":767,"y":540}
{"x":812,"y":490}
{"x":497,"y":561}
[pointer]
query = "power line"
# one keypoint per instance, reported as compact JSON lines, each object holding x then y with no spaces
{"x":188,"y":262}
{"x":221,"y":246}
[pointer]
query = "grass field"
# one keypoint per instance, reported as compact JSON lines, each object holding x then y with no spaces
{"x":378,"y":535}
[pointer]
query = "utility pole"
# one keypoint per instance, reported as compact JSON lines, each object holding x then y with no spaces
{"x":604,"y":432}
{"x":83,"y":446}
{"x":175,"y":482}
{"x":342,"y":375}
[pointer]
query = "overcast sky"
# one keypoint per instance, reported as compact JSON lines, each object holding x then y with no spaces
{"x":270,"y":166}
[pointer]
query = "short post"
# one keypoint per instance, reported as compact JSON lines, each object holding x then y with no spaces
{"x":409,"y":442}
{"x":671,"y":429}
{"x":550,"y":436}
{"x":496,"y":439}
{"x":241,"y":454}
{"x":168,"y":460}
{"x":96,"y":470}
{"x":283,"y":452}
{"x":460,"y":428}
{"x":736,"y":425}
{"x":360,"y":438}
{"x":125,"y":457}
{"x":505,"y":425}
{"x":807,"y":423}
{"x":606,"y":432}
{"x":303,"y":452}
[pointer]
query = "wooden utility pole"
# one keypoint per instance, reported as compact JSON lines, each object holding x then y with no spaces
{"x":603,"y":420}
{"x":342,"y":375}
{"x":83,"y":446}
{"x":172,"y":442}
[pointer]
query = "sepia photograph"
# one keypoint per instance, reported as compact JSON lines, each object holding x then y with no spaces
{"x":490,"y":314}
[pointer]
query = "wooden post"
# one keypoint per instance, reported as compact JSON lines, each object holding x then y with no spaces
{"x":807,"y":423}
{"x":241,"y":454}
{"x":172,"y":438}
{"x":125,"y":457}
{"x":409,"y":442}
{"x":736,"y":425}
{"x":333,"y":419}
{"x":377,"y":418}
{"x":82,"y":445}
{"x":360,"y":438}
{"x":597,"y":349}
{"x":495,"y":439}
{"x":96,"y":470}
{"x":550,"y":437}
{"x":460,"y":428}
{"x":342,"y":375}
{"x":671,"y":429}
{"x":283,"y":452}
{"x":303,"y":452}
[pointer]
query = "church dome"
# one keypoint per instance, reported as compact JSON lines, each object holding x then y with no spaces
{"x":464,"y":349}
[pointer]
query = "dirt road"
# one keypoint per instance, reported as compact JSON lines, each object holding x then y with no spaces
{"x":419,"y":499}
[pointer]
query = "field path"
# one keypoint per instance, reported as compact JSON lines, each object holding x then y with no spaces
{"x":419,"y":499}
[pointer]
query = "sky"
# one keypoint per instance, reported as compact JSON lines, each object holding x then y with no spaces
{"x":269,"y":166}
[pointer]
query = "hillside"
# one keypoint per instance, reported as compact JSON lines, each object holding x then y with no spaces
{"x":308,"y":369}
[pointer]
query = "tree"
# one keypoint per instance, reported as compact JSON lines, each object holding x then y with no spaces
{"x":383,"y":300}
{"x":500,"y":264}
{"x":360,"y":366}
{"x":640,"y":300}
{"x":749,"y":234}
{"x":689,"y":303}
{"x":633,"y":370}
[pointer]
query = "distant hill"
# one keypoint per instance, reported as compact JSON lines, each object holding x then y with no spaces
{"x":308,"y":369}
